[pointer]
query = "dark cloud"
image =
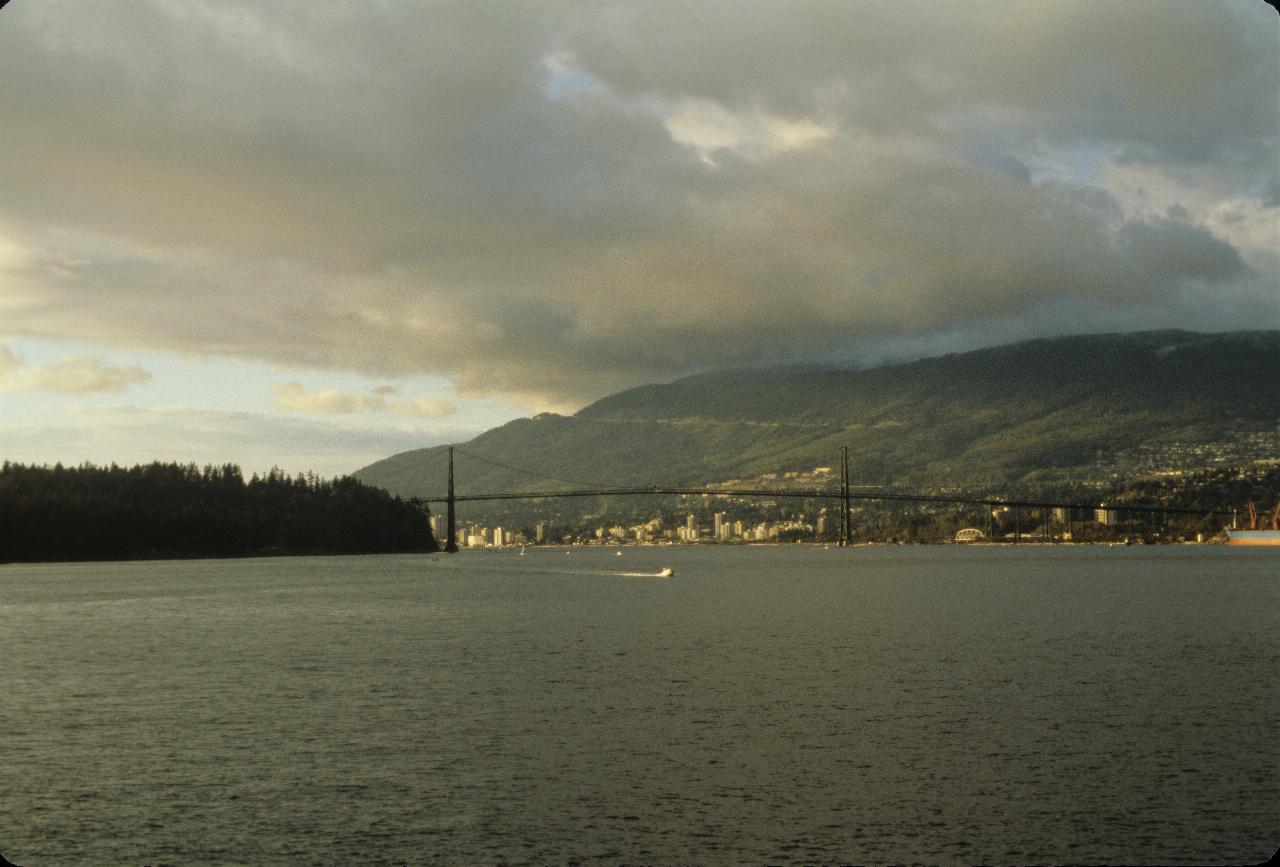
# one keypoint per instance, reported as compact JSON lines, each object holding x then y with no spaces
{"x":560,"y":199}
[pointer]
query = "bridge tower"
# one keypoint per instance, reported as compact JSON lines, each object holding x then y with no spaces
{"x":845,"y":528}
{"x":451,"y":534}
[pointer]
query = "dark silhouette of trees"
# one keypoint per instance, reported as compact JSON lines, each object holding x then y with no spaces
{"x":181,"y":510}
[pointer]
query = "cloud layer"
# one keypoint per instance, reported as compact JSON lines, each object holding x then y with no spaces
{"x":73,"y":374}
{"x":257,"y":441}
{"x":292,"y":397}
{"x":555,"y":200}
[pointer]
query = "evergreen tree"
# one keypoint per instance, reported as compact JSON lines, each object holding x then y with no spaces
{"x":177,"y":510}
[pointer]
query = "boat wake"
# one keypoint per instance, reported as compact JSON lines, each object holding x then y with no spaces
{"x":603,"y":573}
{"x":610,"y":574}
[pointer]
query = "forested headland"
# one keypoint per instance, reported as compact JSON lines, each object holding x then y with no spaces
{"x":181,"y":510}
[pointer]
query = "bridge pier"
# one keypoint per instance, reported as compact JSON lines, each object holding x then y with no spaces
{"x":451,"y":534}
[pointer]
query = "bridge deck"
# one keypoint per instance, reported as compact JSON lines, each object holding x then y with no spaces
{"x":820,"y":494}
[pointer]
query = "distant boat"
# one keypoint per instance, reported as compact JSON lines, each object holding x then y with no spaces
{"x":1253,"y":537}
{"x":619,"y":553}
{"x":1256,"y":535}
{"x":667,"y":572}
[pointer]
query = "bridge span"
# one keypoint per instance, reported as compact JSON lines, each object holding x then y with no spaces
{"x":844,"y":494}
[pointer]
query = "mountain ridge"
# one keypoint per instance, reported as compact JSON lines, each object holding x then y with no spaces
{"x":987,"y":416}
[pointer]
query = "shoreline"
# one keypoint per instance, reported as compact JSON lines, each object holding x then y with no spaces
{"x":505,"y":549}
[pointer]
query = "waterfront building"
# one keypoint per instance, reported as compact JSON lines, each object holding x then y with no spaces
{"x":721,"y":530}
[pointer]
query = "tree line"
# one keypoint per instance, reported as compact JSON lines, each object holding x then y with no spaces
{"x":89,"y":512}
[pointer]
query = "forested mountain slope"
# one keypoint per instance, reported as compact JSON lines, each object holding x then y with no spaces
{"x":992,"y":416}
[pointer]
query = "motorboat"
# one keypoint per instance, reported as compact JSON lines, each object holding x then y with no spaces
{"x":666,"y":572}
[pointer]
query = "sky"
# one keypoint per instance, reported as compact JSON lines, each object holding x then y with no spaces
{"x":316,"y":234}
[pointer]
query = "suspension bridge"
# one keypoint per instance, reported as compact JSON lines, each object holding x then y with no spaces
{"x":845,"y":495}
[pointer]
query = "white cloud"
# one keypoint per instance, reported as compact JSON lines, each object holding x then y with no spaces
{"x":73,"y":374}
{"x":292,"y":397}
{"x":10,"y":361}
{"x":707,"y":127}
{"x":1202,"y":196}
{"x":12,"y":256}
{"x":423,"y":407}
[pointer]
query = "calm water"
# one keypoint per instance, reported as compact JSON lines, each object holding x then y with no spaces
{"x":955,"y":705}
